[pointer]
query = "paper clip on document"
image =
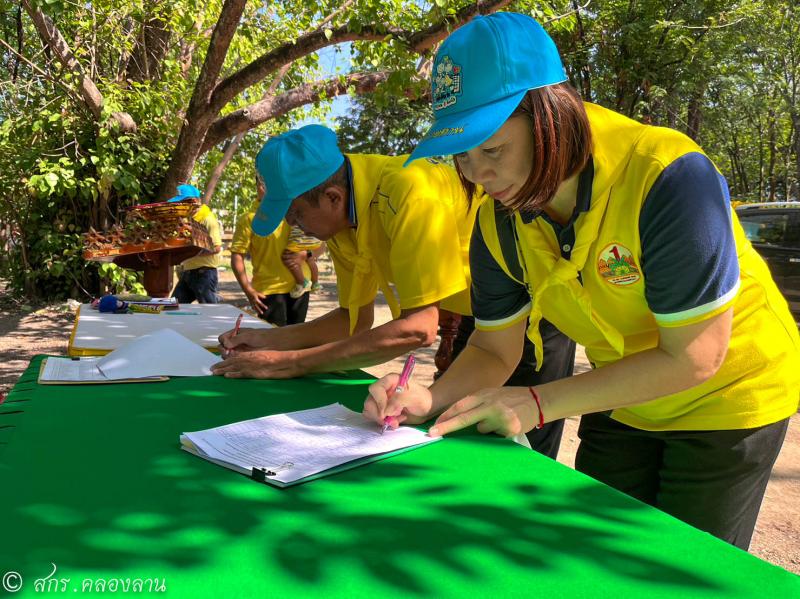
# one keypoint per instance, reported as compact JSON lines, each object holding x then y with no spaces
{"x":260,"y":473}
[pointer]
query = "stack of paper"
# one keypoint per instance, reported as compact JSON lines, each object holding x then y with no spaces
{"x":286,"y":449}
{"x":154,"y":356}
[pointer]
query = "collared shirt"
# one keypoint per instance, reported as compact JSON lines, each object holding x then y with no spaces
{"x":658,"y":247}
{"x":270,"y":276}
{"x":412,"y":232}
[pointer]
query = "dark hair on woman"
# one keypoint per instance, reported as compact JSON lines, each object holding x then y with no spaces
{"x":562,"y":144}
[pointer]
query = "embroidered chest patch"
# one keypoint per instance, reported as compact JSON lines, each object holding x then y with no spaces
{"x":617,"y":266}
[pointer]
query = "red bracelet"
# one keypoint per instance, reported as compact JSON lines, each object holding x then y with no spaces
{"x":538,"y":405}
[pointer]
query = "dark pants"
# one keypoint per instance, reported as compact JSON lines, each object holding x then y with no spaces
{"x":713,"y":480}
{"x":197,"y":284}
{"x":558,"y":363}
{"x":283,"y":309}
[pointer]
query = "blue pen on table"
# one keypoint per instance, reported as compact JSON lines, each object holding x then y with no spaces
{"x":405,"y":375}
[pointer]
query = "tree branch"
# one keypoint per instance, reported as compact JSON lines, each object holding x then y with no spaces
{"x":52,"y":38}
{"x":245,"y":119}
{"x":307,"y":43}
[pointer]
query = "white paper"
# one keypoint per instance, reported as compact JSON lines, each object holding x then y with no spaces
{"x":99,"y":332}
{"x":161,"y":353}
{"x":67,"y":369}
{"x":299,"y":444}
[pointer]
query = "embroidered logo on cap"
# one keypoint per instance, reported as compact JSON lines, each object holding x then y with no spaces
{"x":445,"y":83}
{"x":617,"y":266}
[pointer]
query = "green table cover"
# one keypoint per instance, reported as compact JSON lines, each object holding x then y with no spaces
{"x":93,"y":484}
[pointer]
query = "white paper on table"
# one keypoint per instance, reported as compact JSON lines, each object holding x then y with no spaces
{"x":299,"y":444}
{"x":160,"y":353}
{"x":68,"y":369}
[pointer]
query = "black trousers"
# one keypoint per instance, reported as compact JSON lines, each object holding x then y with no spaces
{"x":558,"y":363}
{"x":713,"y":480}
{"x":283,"y":309}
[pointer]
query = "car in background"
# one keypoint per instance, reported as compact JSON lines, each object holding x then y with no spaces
{"x":774,"y":230}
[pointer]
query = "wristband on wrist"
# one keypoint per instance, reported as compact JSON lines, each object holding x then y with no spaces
{"x":538,"y":406}
{"x":309,"y":254}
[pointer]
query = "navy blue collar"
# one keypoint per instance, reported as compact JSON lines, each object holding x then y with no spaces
{"x":351,"y":207}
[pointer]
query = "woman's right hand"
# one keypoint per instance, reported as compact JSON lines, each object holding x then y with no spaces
{"x":412,"y":405}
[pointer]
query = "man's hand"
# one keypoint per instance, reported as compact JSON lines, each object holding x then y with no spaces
{"x":256,"y":300}
{"x":260,"y":364}
{"x":245,"y":340}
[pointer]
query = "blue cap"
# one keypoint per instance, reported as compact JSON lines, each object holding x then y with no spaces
{"x":185,"y":192}
{"x":480,"y":75}
{"x":290,"y":164}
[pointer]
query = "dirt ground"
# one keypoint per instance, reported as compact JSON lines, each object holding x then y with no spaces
{"x":26,"y":331}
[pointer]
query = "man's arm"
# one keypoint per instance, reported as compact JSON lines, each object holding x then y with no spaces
{"x":366,"y":347}
{"x":328,"y":328}
{"x":240,"y":272}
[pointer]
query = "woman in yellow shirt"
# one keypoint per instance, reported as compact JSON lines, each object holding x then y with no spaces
{"x":622,"y":236}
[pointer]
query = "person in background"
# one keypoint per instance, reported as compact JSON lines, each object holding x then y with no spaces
{"x":269,"y":291}
{"x":622,"y":235}
{"x":198,"y":278}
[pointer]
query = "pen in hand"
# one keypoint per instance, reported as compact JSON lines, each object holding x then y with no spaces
{"x":238,"y":324}
{"x":405,"y":375}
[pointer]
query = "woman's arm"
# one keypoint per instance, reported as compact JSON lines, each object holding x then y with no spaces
{"x":686,"y":356}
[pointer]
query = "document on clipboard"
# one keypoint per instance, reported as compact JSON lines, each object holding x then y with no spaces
{"x":152,"y":357}
{"x":82,"y":371}
{"x":296,"y":447}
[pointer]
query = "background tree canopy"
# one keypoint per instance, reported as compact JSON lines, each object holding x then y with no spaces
{"x":109,"y":103}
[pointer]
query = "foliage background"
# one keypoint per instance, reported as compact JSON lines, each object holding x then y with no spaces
{"x":725,"y":72}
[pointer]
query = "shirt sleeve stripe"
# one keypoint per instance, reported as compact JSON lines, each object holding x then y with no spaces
{"x":693,"y":313}
{"x":503,"y":323}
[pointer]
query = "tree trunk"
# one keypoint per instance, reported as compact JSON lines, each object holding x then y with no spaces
{"x":200,"y":115}
{"x":152,"y":44}
{"x":794,"y":194}
{"x":694,"y":114}
{"x":219,"y":168}
{"x":773,"y":151}
{"x":583,"y":51}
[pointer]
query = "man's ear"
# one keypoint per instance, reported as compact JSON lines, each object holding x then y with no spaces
{"x":336,"y":196}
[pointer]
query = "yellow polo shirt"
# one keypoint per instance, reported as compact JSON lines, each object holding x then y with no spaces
{"x":411,"y":237}
{"x":206,"y":217}
{"x":270,"y":276}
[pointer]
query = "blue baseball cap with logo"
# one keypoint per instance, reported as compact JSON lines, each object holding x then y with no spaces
{"x":480,"y":75}
{"x":290,"y":164}
{"x":185,"y":192}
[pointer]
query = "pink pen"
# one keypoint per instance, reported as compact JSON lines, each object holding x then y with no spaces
{"x":405,"y":375}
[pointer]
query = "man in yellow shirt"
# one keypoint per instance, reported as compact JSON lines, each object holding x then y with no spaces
{"x":198,"y":278}
{"x":382,"y":224}
{"x":269,"y":292}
